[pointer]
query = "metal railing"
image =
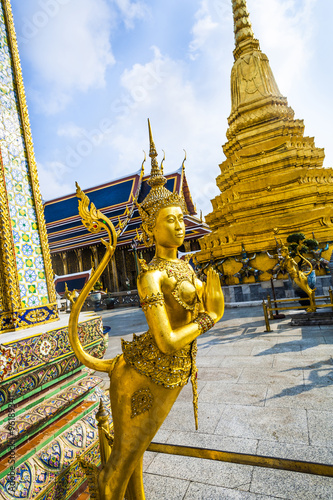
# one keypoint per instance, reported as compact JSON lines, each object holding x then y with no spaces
{"x":269,"y":308}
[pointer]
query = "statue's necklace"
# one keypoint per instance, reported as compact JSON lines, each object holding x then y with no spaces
{"x":180,"y":271}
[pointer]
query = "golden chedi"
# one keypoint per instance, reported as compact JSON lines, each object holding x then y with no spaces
{"x":272,"y":182}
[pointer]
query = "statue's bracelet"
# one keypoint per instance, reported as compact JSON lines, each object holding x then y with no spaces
{"x":204,"y":322}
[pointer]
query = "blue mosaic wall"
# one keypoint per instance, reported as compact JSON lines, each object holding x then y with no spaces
{"x":29,"y":260}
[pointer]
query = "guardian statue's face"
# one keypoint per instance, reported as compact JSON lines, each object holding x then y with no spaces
{"x":169,"y":230}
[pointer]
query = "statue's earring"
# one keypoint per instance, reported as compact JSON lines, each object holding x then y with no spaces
{"x":148,"y":236}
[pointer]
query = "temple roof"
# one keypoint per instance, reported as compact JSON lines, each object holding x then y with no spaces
{"x":116,"y":200}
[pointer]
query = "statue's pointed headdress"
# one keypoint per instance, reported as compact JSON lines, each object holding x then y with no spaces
{"x":158,"y":196}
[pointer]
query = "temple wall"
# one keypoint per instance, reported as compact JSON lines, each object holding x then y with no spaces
{"x":27,"y":290}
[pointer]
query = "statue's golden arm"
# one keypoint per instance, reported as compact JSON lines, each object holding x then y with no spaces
{"x":167,"y":339}
{"x":307,"y":261}
{"x":95,"y":222}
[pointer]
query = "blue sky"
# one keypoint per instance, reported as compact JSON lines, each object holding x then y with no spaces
{"x":95,"y":70}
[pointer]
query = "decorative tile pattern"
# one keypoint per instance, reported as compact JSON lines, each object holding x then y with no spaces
{"x":39,"y":349}
{"x":75,"y":436}
{"x":23,"y":385}
{"x":54,"y":471}
{"x":39,"y":414}
{"x":51,"y":456}
{"x":29,"y":261}
{"x":21,"y":486}
{"x":7,"y":359}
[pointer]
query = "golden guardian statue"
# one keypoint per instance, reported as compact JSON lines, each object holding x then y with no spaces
{"x":146,"y":379}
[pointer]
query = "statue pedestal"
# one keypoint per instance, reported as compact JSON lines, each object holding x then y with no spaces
{"x":255,"y":293}
{"x":313,"y":319}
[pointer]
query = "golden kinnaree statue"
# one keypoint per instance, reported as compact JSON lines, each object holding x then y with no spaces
{"x":147,"y":378}
{"x":299,"y":277}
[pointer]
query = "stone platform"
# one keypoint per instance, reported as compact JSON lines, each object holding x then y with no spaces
{"x":313,"y":319}
{"x":257,"y":292}
{"x":259,"y":393}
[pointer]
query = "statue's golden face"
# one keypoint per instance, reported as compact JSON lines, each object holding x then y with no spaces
{"x":169,"y":230}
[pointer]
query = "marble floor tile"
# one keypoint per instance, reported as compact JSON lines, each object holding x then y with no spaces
{"x":283,"y":424}
{"x":291,"y":485}
{"x":210,"y":472}
{"x":199,"y":491}
{"x":219,"y":373}
{"x":271,"y":376}
{"x":243,"y":361}
{"x":213,"y":442}
{"x":209,"y":361}
{"x":234,"y":394}
{"x":181,"y":417}
{"x":308,"y":453}
{"x":305,"y":396}
{"x":164,"y":488}
{"x":320,"y":428}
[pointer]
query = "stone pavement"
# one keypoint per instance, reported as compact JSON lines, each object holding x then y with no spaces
{"x":259,"y":393}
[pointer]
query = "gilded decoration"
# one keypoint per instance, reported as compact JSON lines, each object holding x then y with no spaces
{"x":143,"y":354}
{"x":152,"y":300}
{"x":184,"y":291}
{"x":25,"y":318}
{"x":9,"y":291}
{"x":298,"y":277}
{"x":33,"y":262}
{"x":204,"y":322}
{"x":141,"y":401}
{"x":158,"y":196}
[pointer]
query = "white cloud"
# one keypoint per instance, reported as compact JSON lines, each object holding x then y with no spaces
{"x":70,"y":130}
{"x":284,"y":29}
{"x":69,"y":51}
{"x":130,"y":11}
{"x":202,"y":28}
{"x":48,"y":103}
{"x":51,"y":180}
{"x":180,"y":119}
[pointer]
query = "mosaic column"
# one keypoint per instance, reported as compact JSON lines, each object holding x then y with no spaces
{"x":27,"y":294}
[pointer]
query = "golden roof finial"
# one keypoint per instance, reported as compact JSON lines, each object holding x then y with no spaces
{"x":152,"y":153}
{"x":156,"y":175}
{"x":162,"y":162}
{"x":183,"y":164}
{"x":182,"y":174}
{"x":143,"y":165}
{"x":242,"y":23}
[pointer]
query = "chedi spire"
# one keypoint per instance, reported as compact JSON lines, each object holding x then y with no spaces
{"x":255,"y":96}
{"x":242,"y":24}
